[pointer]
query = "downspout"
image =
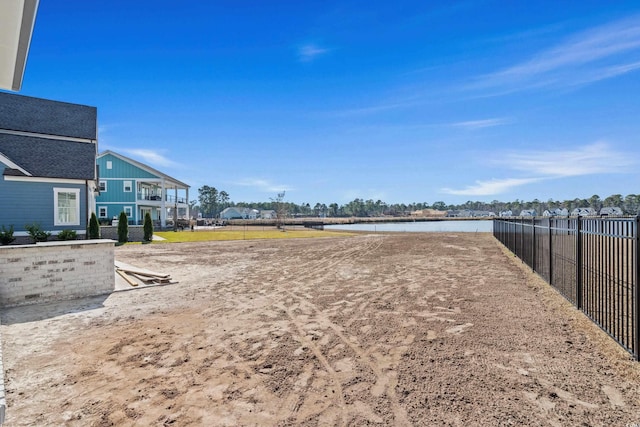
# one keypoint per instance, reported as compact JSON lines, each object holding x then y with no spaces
{"x":86,"y":225}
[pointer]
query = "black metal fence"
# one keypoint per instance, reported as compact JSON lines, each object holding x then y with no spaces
{"x":593,"y":262}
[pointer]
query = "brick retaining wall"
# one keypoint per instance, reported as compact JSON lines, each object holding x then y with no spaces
{"x":55,"y":270}
{"x":136,"y":232}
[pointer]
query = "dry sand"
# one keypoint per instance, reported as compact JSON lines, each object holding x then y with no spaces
{"x":403,"y":329}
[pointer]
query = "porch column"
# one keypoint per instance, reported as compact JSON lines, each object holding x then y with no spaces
{"x":175,"y":205}
{"x":188,"y":205}
{"x":163,"y":205}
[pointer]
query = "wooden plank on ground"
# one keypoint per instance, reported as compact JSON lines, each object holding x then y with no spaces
{"x":126,"y":277}
{"x":144,"y":273}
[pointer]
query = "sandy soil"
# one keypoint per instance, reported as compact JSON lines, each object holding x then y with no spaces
{"x":411,"y":329}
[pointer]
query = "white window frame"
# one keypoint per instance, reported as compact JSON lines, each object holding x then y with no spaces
{"x":128,"y":210}
{"x":109,"y":164}
{"x":106,"y":212}
{"x":127,"y":184}
{"x":56,"y":213}
{"x":102,"y":184}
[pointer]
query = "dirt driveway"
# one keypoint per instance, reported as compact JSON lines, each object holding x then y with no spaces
{"x":406,"y":329}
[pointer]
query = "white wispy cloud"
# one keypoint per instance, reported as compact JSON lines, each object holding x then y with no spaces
{"x":607,"y":73}
{"x":591,"y":159}
{"x":595,"y":54}
{"x":488,"y":188}
{"x":365,"y":111}
{"x":263,"y":185}
{"x":310,"y":52}
{"x":154,"y":158}
{"x":479,"y":124}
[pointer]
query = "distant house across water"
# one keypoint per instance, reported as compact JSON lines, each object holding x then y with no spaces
{"x":611,"y":211}
{"x":555,"y":212}
{"x":528,"y":212}
{"x":584,"y":212}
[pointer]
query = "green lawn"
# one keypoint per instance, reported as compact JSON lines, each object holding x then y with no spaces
{"x":240,"y":234}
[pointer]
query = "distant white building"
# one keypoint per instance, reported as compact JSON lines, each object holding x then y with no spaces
{"x":268,"y":214}
{"x":239,"y":213}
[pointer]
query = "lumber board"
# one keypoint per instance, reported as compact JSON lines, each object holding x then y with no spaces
{"x":144,"y":273}
{"x":126,"y":277}
{"x":144,"y":279}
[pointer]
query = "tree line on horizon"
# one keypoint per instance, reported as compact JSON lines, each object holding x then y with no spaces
{"x":211,"y":202}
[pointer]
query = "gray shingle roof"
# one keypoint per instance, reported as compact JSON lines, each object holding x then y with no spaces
{"x":27,"y":114}
{"x":50,"y":158}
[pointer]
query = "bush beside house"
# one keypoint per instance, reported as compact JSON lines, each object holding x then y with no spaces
{"x":148,"y":227}
{"x":123,"y":228}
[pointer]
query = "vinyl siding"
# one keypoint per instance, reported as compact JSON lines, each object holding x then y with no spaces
{"x":115,"y":192}
{"x":32,"y":202}
{"x":121,"y":169}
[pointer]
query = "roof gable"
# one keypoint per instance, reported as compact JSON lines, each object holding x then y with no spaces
{"x":49,"y":158}
{"x":148,"y":169}
{"x":35,"y":115}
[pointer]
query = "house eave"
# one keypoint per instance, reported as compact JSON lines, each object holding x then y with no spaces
{"x":44,"y":179}
{"x":17,"y":19}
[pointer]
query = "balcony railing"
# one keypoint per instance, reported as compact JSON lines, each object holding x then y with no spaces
{"x":168,"y":199}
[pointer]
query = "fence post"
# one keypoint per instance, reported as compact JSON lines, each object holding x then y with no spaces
{"x":521,"y":253}
{"x":533,"y":243}
{"x":550,"y":254}
{"x":578,"y":264}
{"x":636,"y":296}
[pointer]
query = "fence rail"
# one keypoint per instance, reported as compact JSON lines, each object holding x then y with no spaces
{"x":592,"y":262}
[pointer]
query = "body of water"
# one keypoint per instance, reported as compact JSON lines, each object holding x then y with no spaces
{"x":481,"y":226}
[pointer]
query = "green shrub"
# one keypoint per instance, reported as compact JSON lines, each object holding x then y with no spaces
{"x":6,"y":236}
{"x":67,"y":235}
{"x":123,"y":228}
{"x":36,"y":232}
{"x":148,"y":227}
{"x":94,"y":227}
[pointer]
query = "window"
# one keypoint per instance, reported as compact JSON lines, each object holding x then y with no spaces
{"x":109,"y":164}
{"x":128,"y":185}
{"x":102,"y":211}
{"x":67,"y":206}
{"x":128,"y":211}
{"x":103,"y":186}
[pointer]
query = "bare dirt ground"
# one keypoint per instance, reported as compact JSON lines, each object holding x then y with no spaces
{"x":406,"y":329}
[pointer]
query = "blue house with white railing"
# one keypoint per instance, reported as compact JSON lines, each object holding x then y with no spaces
{"x":126,"y":185}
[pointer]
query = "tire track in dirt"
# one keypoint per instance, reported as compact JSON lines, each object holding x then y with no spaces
{"x":322,"y":265}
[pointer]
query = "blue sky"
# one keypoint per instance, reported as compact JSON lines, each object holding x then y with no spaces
{"x":403,"y":101}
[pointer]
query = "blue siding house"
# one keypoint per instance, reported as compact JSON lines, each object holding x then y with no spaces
{"x":47,"y":164}
{"x":126,"y":185}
